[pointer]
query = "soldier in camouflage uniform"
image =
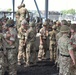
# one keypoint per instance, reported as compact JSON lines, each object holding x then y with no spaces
{"x":1,"y":52}
{"x":52,"y":46}
{"x":65,"y":52}
{"x":18,"y":24}
{"x":58,"y":25}
{"x":22,"y":44}
{"x":43,"y":42}
{"x":73,"y":39}
{"x":58,"y":35}
{"x":30,"y":44}
{"x":10,"y":44}
{"x":24,"y":14}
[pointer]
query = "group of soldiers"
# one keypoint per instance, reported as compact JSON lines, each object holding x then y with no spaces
{"x":18,"y":43}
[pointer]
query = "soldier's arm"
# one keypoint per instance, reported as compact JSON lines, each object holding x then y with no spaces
{"x":27,"y":35}
{"x":70,"y":48}
{"x":41,"y":40}
{"x":72,"y":56}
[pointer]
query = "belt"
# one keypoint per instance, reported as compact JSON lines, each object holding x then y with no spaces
{"x":1,"y":49}
{"x":65,"y":55}
{"x":10,"y":48}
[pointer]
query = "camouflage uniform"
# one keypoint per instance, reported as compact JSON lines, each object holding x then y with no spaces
{"x":22,"y":43}
{"x":30,"y":46}
{"x":52,"y":46}
{"x":58,"y":25}
{"x":57,"y":51}
{"x":23,"y":12}
{"x":10,"y":44}
{"x":1,"y":53}
{"x":64,"y":45}
{"x":17,"y":21}
{"x":43,"y":47}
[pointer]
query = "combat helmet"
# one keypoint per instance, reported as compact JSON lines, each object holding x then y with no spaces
{"x":64,"y":22}
{"x":64,"y":28}
{"x":10,"y":23}
{"x":32,"y":24}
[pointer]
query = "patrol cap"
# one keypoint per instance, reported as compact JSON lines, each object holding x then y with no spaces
{"x":64,"y":28}
{"x":32,"y":24}
{"x":24,"y":22}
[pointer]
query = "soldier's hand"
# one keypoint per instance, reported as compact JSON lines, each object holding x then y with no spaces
{"x":41,"y":42}
{"x":74,"y":63}
{"x":10,"y":42}
{"x":8,"y":35}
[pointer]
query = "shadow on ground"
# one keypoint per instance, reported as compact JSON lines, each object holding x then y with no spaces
{"x":41,"y":68}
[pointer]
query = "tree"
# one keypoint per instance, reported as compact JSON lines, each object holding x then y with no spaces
{"x":70,"y":11}
{"x":9,"y":10}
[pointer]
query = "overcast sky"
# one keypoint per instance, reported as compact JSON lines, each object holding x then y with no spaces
{"x":56,"y":5}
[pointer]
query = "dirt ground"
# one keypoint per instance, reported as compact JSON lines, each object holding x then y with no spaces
{"x":41,"y":68}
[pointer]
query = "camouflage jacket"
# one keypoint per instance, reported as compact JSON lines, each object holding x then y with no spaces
{"x":64,"y":45}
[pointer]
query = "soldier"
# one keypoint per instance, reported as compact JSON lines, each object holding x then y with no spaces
{"x":10,"y":44}
{"x":58,"y":25}
{"x":52,"y":46}
{"x":1,"y":52}
{"x":24,"y":14}
{"x":30,"y":41}
{"x":73,"y":39}
{"x":58,"y":35}
{"x":18,"y":24}
{"x":22,"y":44}
{"x":43,"y":42}
{"x":65,"y":52}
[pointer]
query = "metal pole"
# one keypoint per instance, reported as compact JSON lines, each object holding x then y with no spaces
{"x":22,"y":1}
{"x":13,"y":8}
{"x":37,"y":8}
{"x":46,"y":9}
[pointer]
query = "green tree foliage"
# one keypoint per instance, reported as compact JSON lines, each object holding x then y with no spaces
{"x":70,"y":11}
{"x":9,"y":10}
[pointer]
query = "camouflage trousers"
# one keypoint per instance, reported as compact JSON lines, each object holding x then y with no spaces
{"x":52,"y":48}
{"x":1,"y":63}
{"x":21,"y":51}
{"x":64,"y":65}
{"x":42,"y":50}
{"x":12,"y":61}
{"x":30,"y":52}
